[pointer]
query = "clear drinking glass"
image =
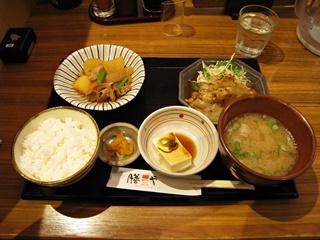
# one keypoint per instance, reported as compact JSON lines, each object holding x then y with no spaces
{"x":256,"y":25}
{"x":103,"y":8}
{"x":172,"y":13}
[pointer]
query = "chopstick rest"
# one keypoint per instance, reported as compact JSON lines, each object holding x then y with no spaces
{"x":227,"y":184}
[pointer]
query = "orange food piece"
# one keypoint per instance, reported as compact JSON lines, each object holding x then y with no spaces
{"x":82,"y":85}
{"x":120,"y":145}
{"x":92,"y":84}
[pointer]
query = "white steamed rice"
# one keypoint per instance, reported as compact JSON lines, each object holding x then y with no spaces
{"x":57,"y":149}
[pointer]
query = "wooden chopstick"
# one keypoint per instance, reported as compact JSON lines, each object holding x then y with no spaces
{"x":228,"y":184}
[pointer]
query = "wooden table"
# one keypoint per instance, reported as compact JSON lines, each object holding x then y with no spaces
{"x":292,"y":74}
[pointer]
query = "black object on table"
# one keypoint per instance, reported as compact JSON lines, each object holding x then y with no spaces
{"x":234,"y":6}
{"x":140,"y":15}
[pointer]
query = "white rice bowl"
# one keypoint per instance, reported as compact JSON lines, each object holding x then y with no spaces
{"x":57,"y":147}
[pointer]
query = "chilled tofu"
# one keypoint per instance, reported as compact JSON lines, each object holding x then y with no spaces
{"x":174,"y":159}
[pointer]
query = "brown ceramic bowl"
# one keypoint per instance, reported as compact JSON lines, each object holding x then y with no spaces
{"x":288,"y":116}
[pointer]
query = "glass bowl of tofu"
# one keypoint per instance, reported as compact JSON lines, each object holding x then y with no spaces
{"x":178,"y":141}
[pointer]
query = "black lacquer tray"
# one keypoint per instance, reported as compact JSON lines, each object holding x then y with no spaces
{"x":140,"y":16}
{"x":160,"y":89}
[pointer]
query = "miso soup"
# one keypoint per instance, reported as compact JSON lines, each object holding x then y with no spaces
{"x":261,"y":143}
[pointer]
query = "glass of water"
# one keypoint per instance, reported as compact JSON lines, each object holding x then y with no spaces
{"x":255,"y":27}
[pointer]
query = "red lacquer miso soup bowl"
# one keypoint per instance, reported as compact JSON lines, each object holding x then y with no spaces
{"x":285,"y":115}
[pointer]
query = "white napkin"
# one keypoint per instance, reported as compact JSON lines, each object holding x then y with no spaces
{"x":151,"y":181}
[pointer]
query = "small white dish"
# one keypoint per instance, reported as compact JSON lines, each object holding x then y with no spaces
{"x":184,"y":120}
{"x":69,"y":69}
{"x":130,"y":132}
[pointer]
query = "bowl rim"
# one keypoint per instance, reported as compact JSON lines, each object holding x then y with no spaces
{"x":61,"y":181}
{"x":60,"y":83}
{"x":180,"y":109}
{"x":283,"y":103}
{"x":134,"y":155}
{"x":238,"y":61}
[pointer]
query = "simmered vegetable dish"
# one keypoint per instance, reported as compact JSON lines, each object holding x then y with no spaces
{"x":102,"y":81}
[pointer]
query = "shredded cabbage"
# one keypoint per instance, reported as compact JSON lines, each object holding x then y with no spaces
{"x":222,"y":69}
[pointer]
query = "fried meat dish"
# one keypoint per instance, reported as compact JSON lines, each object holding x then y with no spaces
{"x":213,"y":95}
